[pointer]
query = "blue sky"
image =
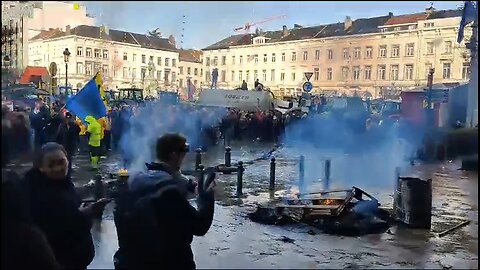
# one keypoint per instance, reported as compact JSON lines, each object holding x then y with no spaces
{"x":209,"y":22}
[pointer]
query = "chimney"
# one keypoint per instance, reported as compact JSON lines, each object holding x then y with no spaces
{"x":68,"y":30}
{"x":348,"y":23}
{"x":171,"y":40}
{"x":390,"y":14}
{"x":285,"y":31}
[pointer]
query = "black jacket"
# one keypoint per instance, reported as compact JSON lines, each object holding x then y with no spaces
{"x":177,"y":221}
{"x":54,"y":209}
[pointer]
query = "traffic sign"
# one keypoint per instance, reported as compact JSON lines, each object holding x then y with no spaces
{"x":308,"y":75}
{"x":307,"y":87}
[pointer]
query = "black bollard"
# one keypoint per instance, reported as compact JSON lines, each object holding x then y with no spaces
{"x":198,"y":158}
{"x":301,"y":174}
{"x":200,"y":175}
{"x":272,"y":174}
{"x":240,"y":179}
{"x":228,"y":156}
{"x":327,"y":174}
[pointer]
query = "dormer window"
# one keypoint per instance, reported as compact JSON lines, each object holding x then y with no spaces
{"x":383,"y":30}
{"x":259,"y":40}
{"x":397,"y":29}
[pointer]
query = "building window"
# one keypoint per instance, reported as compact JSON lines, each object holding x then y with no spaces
{"x":195,"y":82}
{"x":174,"y":77}
{"x":447,"y":70}
{"x":223,"y":76}
{"x":428,"y":67}
{"x":264,"y":75}
{"x":282,"y":76}
{"x":293,"y":76}
{"x":255,"y":57}
{"x":329,"y":74}
{"x":80,"y":68}
{"x":207,"y":61}
{"x":448,"y":47}
{"x":409,"y":72}
{"x":356,"y":73}
{"x":195,"y":71}
{"x":233,"y":76}
{"x":189,"y":71}
{"x":105,"y":70}
{"x":255,"y":75}
{"x":272,"y":75}
{"x":159,"y":61}
{"x":96,"y":53}
{"x":143,"y":73}
{"x":180,"y":70}
{"x":356,"y":53}
{"x":174,"y":62}
{"x":345,"y":73}
{"x":382,"y":51}
{"x":346,"y":53}
{"x":201,"y":72}
{"x":316,"y":74}
{"x":368,"y":72}
{"x":88,"y":69}
{"x":381,"y":72}
{"x":79,"y":51}
{"x":241,"y":59}
{"x":233,"y":60}
{"x":215,"y":61}
{"x":273,"y":58}
{"x":247,"y":75}
{"x":430,"y":48}
{"x":144,"y":59}
{"x":180,"y":83}
{"x":330,"y":54}
{"x":394,"y":72}
{"x":125,"y":72}
{"x":105,"y":54}
{"x":265,"y":58}
{"x":134,"y":58}
{"x":395,"y":50}
{"x":369,"y":52}
{"x":317,"y":54}
{"x":88,"y":52}
{"x":428,"y":24}
{"x":167,"y":62}
{"x":294,"y":56}
{"x":466,"y":71}
{"x":305,"y":56}
{"x":115,"y":55}
{"x":134,"y":73}
{"x":283,"y":57}
{"x":240,"y":75}
{"x":224,"y":60}
{"x":410,"y":49}
{"x":125,"y":57}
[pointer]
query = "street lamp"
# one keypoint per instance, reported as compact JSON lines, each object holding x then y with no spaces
{"x":66,"y":56}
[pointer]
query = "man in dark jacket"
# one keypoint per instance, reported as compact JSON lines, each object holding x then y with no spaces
{"x":158,"y":228}
{"x":68,"y":136}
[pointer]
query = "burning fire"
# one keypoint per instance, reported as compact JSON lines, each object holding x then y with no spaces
{"x":328,"y":202}
{"x":123,"y":172}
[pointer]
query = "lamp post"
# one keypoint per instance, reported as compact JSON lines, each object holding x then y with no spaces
{"x":66,"y":56}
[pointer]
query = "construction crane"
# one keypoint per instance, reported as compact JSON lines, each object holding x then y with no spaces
{"x":247,"y":26}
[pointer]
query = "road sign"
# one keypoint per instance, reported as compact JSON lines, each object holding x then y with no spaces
{"x":307,"y":87}
{"x":308,"y":75}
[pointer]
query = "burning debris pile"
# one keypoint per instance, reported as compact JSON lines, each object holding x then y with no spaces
{"x":348,"y":212}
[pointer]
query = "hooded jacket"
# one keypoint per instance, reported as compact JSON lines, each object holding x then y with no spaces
{"x":95,"y":131}
{"x":167,"y":245}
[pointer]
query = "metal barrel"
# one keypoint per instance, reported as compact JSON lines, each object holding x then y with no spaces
{"x":240,"y":178}
{"x":416,"y":202}
{"x":198,"y":158}
{"x":327,"y":174}
{"x":272,"y":174}
{"x":228,"y":156}
{"x":301,"y":168}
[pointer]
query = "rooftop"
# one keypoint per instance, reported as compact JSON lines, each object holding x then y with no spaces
{"x":97,"y":32}
{"x":190,"y":56}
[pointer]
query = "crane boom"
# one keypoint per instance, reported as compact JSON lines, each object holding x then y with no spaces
{"x":247,"y":26}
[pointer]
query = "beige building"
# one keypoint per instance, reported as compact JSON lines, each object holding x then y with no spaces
{"x":126,"y":59}
{"x":371,"y":56}
{"x":190,"y":67}
{"x":28,"y":18}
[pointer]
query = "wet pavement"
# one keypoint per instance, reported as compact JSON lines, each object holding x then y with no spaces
{"x":236,"y":242}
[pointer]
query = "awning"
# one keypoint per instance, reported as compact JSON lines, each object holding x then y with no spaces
{"x":33,"y":74}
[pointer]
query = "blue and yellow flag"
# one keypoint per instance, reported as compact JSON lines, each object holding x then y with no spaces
{"x":101,"y":87}
{"x":87,"y":101}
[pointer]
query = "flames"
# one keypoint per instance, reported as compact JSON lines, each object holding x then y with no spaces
{"x":123,"y":172}
{"x":328,"y":202}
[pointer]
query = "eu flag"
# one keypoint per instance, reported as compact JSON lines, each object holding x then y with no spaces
{"x":87,"y":102}
{"x":470,"y":14}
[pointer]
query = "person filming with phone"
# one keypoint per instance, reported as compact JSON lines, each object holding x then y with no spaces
{"x":155,"y":221}
{"x":57,"y":209}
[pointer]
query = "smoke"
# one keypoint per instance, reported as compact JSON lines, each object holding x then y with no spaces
{"x":359,"y":157}
{"x":156,"y":118}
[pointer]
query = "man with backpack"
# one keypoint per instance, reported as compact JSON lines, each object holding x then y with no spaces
{"x":155,"y":222}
